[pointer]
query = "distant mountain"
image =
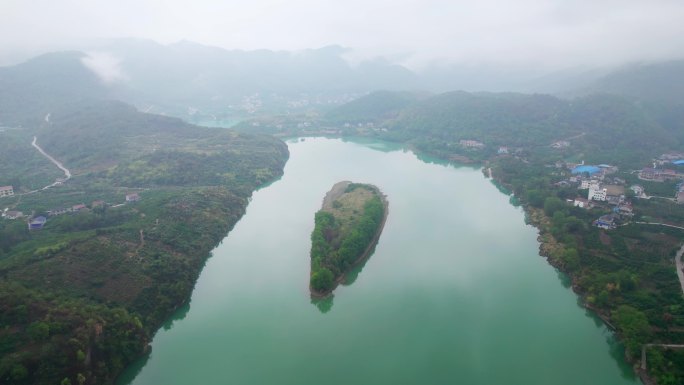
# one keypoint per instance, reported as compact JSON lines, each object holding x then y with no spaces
{"x":600,"y":126}
{"x":191,"y":74}
{"x":656,"y":87}
{"x":193,"y":81}
{"x":662,"y":82}
{"x":375,"y":107}
{"x":183,"y":78}
{"x":31,"y":90}
{"x":502,"y":118}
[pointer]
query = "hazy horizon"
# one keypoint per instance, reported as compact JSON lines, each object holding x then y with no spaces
{"x":530,"y":34}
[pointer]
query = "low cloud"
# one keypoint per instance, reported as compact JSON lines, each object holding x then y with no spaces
{"x":544,"y":34}
{"x":106,"y":66}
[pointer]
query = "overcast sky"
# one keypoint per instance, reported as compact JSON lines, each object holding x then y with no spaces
{"x":549,"y":33}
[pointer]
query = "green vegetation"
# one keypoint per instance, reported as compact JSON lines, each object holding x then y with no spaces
{"x":376,"y":107}
{"x":345,"y":228}
{"x":81,"y":298}
{"x":626,"y":275}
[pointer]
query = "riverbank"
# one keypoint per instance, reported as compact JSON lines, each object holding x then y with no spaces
{"x":93,"y":285}
{"x":549,"y":246}
{"x":555,"y":253}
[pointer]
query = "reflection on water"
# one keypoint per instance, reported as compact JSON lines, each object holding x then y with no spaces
{"x":324,"y":305}
{"x":133,"y":370}
{"x":178,"y":315}
{"x":375,"y":144}
{"x":565,"y":280}
{"x":502,"y":189}
{"x":591,"y":314}
{"x":456,"y":292}
{"x":353,"y":274}
{"x":617,"y":352}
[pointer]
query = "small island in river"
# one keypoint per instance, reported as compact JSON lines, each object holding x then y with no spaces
{"x":346,"y":230}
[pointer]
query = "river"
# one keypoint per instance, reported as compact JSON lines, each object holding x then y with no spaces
{"x":455,"y":292}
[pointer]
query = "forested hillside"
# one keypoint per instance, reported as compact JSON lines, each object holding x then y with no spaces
{"x":81,"y":297}
{"x":600,"y":128}
{"x":31,"y":90}
{"x":663,"y":82}
{"x":375,"y":107}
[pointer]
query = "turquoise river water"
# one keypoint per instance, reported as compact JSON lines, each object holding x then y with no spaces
{"x":455,"y":292}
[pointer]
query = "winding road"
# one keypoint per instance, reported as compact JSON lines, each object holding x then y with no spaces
{"x":680,"y":266}
{"x":659,"y":224}
{"x":645,"y":346}
{"x":678,"y":257}
{"x":67,"y":173}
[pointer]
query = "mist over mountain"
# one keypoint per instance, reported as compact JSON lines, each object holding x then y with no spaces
{"x":30,"y":90}
{"x":647,"y":81}
{"x":192,"y":81}
{"x":209,"y":77}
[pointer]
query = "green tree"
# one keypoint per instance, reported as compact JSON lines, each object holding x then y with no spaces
{"x":535,"y":198}
{"x":39,"y":331}
{"x":18,"y":372}
{"x":571,"y":259}
{"x":322,"y":280}
{"x":633,"y":325}
{"x":552,"y":204}
{"x":80,"y":356}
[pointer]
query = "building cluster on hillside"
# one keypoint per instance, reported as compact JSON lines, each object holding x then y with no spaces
{"x":659,"y":174}
{"x":607,"y":222}
{"x":611,"y":193}
{"x":37,"y":222}
{"x":6,"y":191}
{"x":624,"y":209}
{"x":621,"y":212}
{"x":64,"y":210}
{"x":12,"y":214}
{"x":597,"y":180}
{"x":251,"y":103}
{"x":469,"y":143}
{"x":665,"y":168}
{"x":560,"y":144}
{"x":676,"y":158}
{"x":662,"y":169}
{"x":604,"y":189}
{"x":581,"y":174}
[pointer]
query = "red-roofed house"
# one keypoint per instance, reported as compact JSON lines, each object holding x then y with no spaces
{"x":77,"y":208}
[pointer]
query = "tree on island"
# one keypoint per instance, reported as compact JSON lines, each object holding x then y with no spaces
{"x":322,"y":280}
